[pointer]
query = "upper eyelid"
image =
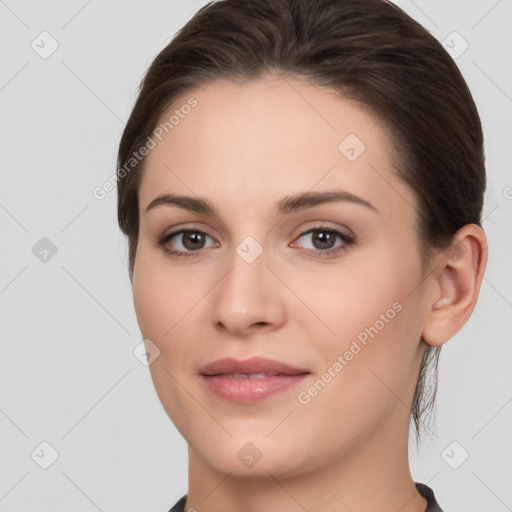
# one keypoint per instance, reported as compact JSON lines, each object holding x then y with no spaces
{"x":303,"y":231}
{"x":182,"y":231}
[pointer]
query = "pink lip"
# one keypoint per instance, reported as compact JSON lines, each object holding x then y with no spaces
{"x":247,"y":390}
{"x":252,"y":365}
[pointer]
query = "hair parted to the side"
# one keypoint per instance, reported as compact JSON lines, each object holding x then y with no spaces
{"x":366,"y":50}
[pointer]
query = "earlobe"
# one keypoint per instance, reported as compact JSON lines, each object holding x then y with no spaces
{"x":457,"y":278}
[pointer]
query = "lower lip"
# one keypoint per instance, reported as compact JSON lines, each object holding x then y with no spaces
{"x":244,"y":390}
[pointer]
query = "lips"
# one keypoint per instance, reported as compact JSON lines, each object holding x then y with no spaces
{"x":250,"y":367}
{"x":251,"y":380}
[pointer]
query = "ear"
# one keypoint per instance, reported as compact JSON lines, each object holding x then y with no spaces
{"x":457,"y":279}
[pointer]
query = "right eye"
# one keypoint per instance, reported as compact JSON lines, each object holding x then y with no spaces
{"x":188,"y":241}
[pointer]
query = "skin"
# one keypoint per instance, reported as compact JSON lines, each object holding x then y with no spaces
{"x":244,"y":148}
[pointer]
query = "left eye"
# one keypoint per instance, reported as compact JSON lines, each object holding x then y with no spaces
{"x":324,"y":239}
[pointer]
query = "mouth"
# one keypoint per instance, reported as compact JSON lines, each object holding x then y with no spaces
{"x":251,"y":380}
{"x":248,"y":375}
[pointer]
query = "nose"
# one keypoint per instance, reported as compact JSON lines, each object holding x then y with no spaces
{"x":249,"y":298}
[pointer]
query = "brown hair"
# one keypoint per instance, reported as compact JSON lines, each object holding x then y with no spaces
{"x":367,"y":50}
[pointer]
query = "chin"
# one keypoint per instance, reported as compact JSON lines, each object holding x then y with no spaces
{"x":249,"y":457}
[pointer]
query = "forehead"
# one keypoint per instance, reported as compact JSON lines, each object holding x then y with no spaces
{"x":251,"y":143}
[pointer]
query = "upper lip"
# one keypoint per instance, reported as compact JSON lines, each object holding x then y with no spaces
{"x":229,"y":365}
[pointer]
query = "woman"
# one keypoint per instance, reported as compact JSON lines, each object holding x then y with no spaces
{"x":301,"y":184}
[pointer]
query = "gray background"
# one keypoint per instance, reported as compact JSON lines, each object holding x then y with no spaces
{"x":68,"y":375}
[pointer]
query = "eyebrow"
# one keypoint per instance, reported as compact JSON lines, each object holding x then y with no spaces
{"x":287,"y":205}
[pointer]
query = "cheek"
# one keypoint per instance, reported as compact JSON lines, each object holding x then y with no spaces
{"x":163,"y":303}
{"x":363,"y":312}
{"x":160,"y":294}
{"x":153,"y":305}
{"x":346,"y":299}
{"x":169,"y":303}
{"x":367,"y":373}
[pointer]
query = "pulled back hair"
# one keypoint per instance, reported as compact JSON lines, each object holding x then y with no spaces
{"x":367,"y":50}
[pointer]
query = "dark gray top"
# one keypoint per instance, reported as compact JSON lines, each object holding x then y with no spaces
{"x":424,"y":490}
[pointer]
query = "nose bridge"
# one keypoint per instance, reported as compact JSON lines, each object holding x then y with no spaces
{"x":247,"y":275}
{"x":247,"y":294}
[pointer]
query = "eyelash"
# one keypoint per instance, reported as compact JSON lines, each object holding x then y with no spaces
{"x":318,"y":253}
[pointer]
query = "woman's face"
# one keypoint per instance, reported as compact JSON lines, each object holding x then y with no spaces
{"x":262,"y":281}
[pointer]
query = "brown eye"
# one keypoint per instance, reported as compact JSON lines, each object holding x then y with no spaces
{"x":193,"y":240}
{"x":184,"y":242}
{"x":323,"y":241}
